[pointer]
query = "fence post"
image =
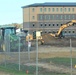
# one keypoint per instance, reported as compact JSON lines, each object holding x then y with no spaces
{"x":36,"y":56}
{"x":19,"y":53}
{"x":29,"y":46}
{"x":5,"y":58}
{"x":71,"y":55}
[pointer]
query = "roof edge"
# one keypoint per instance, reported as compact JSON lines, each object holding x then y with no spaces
{"x":51,"y":4}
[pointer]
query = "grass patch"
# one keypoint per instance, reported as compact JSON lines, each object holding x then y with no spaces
{"x":59,"y":61}
{"x":13,"y":68}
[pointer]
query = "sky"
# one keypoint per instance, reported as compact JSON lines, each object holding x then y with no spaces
{"x":11,"y":11}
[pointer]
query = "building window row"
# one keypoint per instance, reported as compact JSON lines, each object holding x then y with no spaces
{"x":56,"y":17}
{"x":49,"y":25}
{"x":68,"y":31}
{"x":57,"y":31}
{"x":57,"y":9}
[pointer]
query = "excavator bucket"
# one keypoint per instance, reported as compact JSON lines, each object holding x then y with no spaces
{"x":52,"y":34}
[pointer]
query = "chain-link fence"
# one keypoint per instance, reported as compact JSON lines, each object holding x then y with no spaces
{"x":58,"y":57}
{"x":17,"y":54}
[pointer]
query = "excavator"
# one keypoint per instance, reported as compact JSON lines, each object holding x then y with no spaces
{"x":59,"y":33}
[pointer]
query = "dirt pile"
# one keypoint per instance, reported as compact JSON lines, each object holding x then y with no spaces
{"x":48,"y":39}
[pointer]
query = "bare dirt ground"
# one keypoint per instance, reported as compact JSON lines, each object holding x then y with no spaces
{"x":3,"y":73}
{"x":43,"y":52}
{"x":51,"y":52}
{"x":51,"y":67}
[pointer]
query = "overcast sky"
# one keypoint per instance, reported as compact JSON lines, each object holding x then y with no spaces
{"x":11,"y":11}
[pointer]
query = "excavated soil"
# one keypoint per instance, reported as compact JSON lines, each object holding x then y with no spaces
{"x":49,"y":40}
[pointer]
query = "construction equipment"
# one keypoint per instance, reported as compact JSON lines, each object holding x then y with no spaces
{"x":29,"y":37}
{"x":36,"y":35}
{"x":5,"y":30}
{"x":59,"y":33}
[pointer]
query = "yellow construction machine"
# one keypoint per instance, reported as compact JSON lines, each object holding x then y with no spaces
{"x":58,"y":34}
{"x":36,"y":35}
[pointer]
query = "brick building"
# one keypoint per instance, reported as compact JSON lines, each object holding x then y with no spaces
{"x":48,"y":17}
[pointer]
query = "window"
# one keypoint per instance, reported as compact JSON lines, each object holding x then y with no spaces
{"x":45,"y":24}
{"x":40,"y":9}
{"x":57,"y":9}
{"x":53,"y":24}
{"x":73,"y":32}
{"x":73,"y":16}
{"x":33,"y":25}
{"x":45,"y":9}
{"x":68,"y":9}
{"x":45,"y":17}
{"x":68,"y":16}
{"x":41,"y":24}
{"x":61,"y":9}
{"x":57,"y":24}
{"x":69,"y":31}
{"x":49,"y":32}
{"x":57,"y":16}
{"x":49,"y":17}
{"x":53,"y":9}
{"x":33,"y":17}
{"x":61,"y":24}
{"x":33,"y":9}
{"x":64,"y":16}
{"x":49,"y":24}
{"x":49,"y":9}
{"x":52,"y":16}
{"x":61,"y":17}
{"x":53,"y":31}
{"x":73,"y":9}
{"x":65,"y":32}
{"x":65,"y":9}
{"x":41,"y":17}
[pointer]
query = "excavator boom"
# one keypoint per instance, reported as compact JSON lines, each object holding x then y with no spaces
{"x":70,"y":23}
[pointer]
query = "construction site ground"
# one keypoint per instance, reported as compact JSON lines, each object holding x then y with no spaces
{"x":52,"y":48}
{"x":44,"y":52}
